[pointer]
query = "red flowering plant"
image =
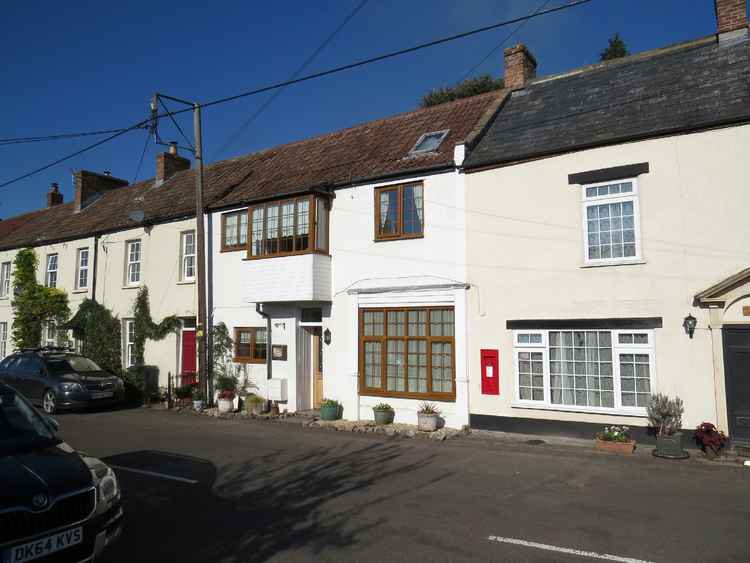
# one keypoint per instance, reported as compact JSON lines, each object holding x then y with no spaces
{"x":615,"y":434}
{"x":227,"y":387}
{"x":710,"y":439}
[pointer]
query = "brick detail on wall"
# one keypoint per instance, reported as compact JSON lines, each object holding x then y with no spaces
{"x":520,"y":66}
{"x":731,"y":15}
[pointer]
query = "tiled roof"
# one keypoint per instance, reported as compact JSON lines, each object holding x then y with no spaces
{"x":373,"y":150}
{"x":682,"y":88}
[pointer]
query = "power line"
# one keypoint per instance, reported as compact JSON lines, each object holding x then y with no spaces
{"x":233,"y":138}
{"x":306,"y":78}
{"x":171,"y":116}
{"x":143,"y":153}
{"x":19,"y":140}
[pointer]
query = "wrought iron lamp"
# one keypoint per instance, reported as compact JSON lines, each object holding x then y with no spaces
{"x":689,"y":325}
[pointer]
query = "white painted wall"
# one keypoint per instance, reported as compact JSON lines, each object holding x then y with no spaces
{"x":525,"y":258}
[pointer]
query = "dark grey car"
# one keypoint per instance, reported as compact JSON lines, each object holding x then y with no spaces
{"x":58,"y":380}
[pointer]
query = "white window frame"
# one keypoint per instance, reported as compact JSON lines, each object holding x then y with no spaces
{"x":129,"y":348}
{"x":50,"y":328}
{"x":3,"y":338}
{"x":5,"y":279}
{"x":130,"y":264}
{"x":617,"y":349}
{"x":81,"y":269}
{"x":48,"y":272}
{"x":587,"y":202}
{"x":183,"y":256}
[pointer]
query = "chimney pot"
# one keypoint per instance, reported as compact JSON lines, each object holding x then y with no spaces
{"x":54,"y":197}
{"x":172,"y":147}
{"x":520,"y":66}
{"x":107,"y":172}
{"x":731,"y":16}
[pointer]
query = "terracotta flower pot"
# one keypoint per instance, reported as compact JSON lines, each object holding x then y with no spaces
{"x":616,"y":447}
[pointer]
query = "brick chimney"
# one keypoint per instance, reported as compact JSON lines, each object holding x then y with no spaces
{"x":169,"y":163}
{"x":520,"y":66}
{"x":54,"y":197}
{"x":731,"y":18}
{"x":91,"y":185}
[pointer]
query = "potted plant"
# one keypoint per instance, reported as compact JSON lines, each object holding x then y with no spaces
{"x":615,"y":439}
{"x":227,"y":387}
{"x":428,"y":416}
{"x":665,"y":416}
{"x":384,"y":414}
{"x":710,"y":440}
{"x":330,"y":409}
{"x":254,"y":404}
{"x":198,"y":400}
{"x":184,"y":394}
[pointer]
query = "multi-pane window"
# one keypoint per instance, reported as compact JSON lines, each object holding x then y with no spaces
{"x":399,"y":211}
{"x":129,"y":343}
{"x":585,"y":369}
{"x":187,"y":253}
{"x":408,"y":352}
{"x":611,"y":222}
{"x":289,"y":227}
{"x":50,"y":275}
{"x":250,"y":345}
{"x":5,"y":279}
{"x":3,"y":338}
{"x":133,"y":262}
{"x":234,"y":230}
{"x":82,"y":269}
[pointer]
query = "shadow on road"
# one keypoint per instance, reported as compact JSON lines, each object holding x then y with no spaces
{"x":253,"y":510}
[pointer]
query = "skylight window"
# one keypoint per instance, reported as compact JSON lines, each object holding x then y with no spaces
{"x":429,"y":142}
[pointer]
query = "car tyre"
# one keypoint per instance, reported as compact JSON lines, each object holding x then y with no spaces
{"x":49,"y":402}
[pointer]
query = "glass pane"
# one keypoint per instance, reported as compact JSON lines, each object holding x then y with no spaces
{"x":272,"y":229}
{"x":389,"y":212}
{"x":230,"y":230}
{"x":302,"y":240}
{"x":396,"y":323}
{"x":260,"y":344}
{"x":321,"y":232}
{"x":530,"y":378}
{"x":286,"y":241}
{"x":412,"y":205}
{"x":442,"y":367}
{"x":395,"y":366}
{"x":243,"y":228}
{"x":372,"y":364}
{"x":441,"y":322}
{"x":256,"y":246}
{"x":417,"y":364}
{"x":373,"y":321}
{"x":417,"y":323}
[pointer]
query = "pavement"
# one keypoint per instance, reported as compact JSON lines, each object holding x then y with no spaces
{"x":207,"y":489}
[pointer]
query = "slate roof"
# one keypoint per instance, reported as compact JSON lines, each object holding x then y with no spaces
{"x":686,"y":87}
{"x":373,"y":150}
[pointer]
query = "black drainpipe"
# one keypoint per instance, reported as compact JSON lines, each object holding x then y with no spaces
{"x":259,"y":310}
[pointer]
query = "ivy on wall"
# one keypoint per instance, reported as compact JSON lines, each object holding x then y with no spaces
{"x":99,"y":331}
{"x":146,"y":328}
{"x":33,"y":304}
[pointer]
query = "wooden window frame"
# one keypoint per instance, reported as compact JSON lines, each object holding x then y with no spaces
{"x":311,"y":229}
{"x":249,"y":359}
{"x":428,"y":338}
{"x":238,"y":246}
{"x":399,"y":235}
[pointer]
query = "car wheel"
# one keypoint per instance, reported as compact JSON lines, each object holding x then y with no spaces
{"x":49,"y":402}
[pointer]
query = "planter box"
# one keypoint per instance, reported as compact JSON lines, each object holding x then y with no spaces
{"x":626,"y":448}
{"x":427,"y":422}
{"x":225,"y":405}
{"x":330,"y":413}
{"x":670,"y":447}
{"x":384,"y":417}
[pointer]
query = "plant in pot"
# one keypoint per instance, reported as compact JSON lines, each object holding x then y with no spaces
{"x":198,"y":400}
{"x":615,"y":439}
{"x":428,"y":416}
{"x":665,"y":416}
{"x":330,"y":409}
{"x":710,"y":440}
{"x":384,"y":414}
{"x":227,"y":387}
{"x":254,"y":404}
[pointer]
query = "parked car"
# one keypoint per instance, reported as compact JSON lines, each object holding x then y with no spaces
{"x":57,"y":380}
{"x":55,"y":503}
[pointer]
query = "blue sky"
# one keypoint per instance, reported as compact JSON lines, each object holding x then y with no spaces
{"x":80,"y":66}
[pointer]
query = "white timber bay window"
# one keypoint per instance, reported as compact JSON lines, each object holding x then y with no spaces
{"x":611,"y":223}
{"x":610,"y":371}
{"x":82,"y":269}
{"x":5,"y":279}
{"x":187,"y":253}
{"x":133,"y":262}
{"x":50,"y":274}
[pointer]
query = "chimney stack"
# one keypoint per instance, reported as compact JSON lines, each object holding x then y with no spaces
{"x":54,"y":197}
{"x":169,"y":163}
{"x":91,"y":185}
{"x":731,"y":19}
{"x":520,"y":67}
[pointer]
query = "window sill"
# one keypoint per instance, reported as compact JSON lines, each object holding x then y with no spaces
{"x":441,"y":397}
{"x":391,"y":239}
{"x":131,"y":286}
{"x":300,"y":253}
{"x":234,"y":248}
{"x":5,"y":298}
{"x":613,"y":263}
{"x":83,"y":290}
{"x":186,"y":282}
{"x":248,"y":361}
{"x":635,"y":413}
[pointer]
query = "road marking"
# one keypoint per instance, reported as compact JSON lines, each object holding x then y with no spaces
{"x":578,"y":552}
{"x":155,"y":474}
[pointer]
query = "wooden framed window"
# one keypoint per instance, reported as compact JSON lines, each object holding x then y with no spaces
{"x":399,"y":211}
{"x":407,"y":352}
{"x":234,"y":231}
{"x":250,"y":345}
{"x":293,"y":226}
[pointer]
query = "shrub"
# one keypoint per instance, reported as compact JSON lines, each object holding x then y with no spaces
{"x":227,"y":386}
{"x":329,"y":403}
{"x":197,"y":394}
{"x":710,"y":439}
{"x":614,"y":434}
{"x":428,"y":408}
{"x":382,"y":407}
{"x":665,"y":414}
{"x":184,"y":391}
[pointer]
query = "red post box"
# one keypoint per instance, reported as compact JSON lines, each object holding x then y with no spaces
{"x":490,"y":372}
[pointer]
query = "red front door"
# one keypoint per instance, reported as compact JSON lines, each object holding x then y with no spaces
{"x":188,"y":357}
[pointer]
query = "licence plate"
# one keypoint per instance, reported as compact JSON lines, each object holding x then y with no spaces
{"x":45,"y":546}
{"x":101,"y":394}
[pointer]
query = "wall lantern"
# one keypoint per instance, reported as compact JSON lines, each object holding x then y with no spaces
{"x":689,"y":325}
{"x":327,"y":336}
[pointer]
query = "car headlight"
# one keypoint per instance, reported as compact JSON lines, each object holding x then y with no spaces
{"x":107,"y":487}
{"x":70,"y":386}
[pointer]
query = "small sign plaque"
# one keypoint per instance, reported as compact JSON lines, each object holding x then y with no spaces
{"x":278,"y":352}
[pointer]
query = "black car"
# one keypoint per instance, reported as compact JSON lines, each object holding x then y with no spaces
{"x":57,"y":380}
{"x":56,"y":504}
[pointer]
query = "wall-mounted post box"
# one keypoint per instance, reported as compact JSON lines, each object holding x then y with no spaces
{"x":490,"y":372}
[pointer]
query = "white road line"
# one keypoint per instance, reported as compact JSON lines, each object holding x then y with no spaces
{"x":155,"y":474}
{"x":578,"y":552}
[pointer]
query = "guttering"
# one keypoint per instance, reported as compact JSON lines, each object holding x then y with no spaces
{"x":269,"y":359}
{"x":398,"y":288}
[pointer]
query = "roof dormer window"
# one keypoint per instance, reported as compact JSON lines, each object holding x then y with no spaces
{"x":429,"y":142}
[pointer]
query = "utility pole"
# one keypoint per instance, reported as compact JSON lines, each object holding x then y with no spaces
{"x":201,"y":330}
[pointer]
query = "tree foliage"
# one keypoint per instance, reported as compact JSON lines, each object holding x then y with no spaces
{"x":615,"y":49}
{"x":464,"y":89}
{"x":33,"y":304}
{"x":99,"y":331}
{"x":146,"y":328}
